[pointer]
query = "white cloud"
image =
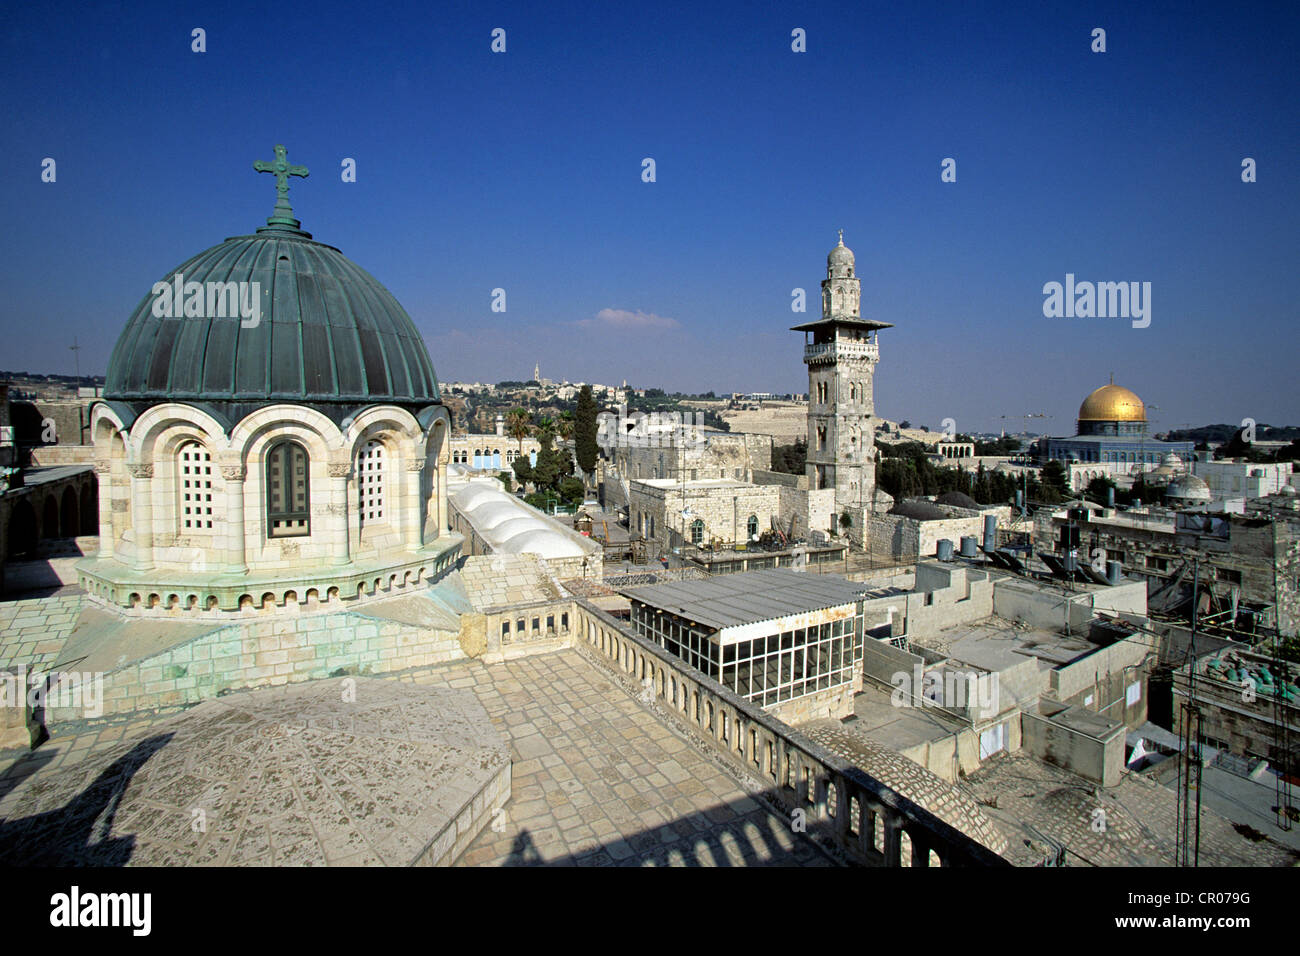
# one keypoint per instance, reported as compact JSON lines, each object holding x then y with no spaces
{"x":623,"y":319}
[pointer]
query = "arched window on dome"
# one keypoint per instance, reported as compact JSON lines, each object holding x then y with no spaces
{"x":287,"y":491}
{"x":370,"y":482}
{"x":194,"y":484}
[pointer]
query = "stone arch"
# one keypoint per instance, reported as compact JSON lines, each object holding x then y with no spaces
{"x":69,"y":516}
{"x":23,"y":535}
{"x":253,"y":438}
{"x":88,"y":510}
{"x":49,"y":518}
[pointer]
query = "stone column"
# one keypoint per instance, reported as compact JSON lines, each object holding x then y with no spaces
{"x":412,"y":510}
{"x":142,"y":514}
{"x":866,"y":827}
{"x":843,"y":808}
{"x":893,"y":847}
{"x":236,"y":533}
{"x":441,"y":492}
{"x":338,"y":510}
{"x":104,"y":478}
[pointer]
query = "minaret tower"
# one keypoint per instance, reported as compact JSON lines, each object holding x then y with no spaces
{"x":841,"y":352}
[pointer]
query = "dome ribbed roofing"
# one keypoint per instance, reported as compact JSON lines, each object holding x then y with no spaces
{"x":328,"y":331}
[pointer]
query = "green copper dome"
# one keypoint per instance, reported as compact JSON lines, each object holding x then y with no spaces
{"x":315,"y":329}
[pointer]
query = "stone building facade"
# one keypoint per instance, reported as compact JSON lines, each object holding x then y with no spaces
{"x":668,"y":448}
{"x":719,"y":511}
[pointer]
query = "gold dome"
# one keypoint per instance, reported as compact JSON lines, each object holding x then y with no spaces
{"x":1112,"y":403}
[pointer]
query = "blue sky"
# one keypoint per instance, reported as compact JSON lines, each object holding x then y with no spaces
{"x":522,"y":171}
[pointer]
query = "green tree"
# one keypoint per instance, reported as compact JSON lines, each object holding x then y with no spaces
{"x":1053,"y":476}
{"x":1234,"y":447}
{"x":585,"y":431}
{"x":564,"y":425}
{"x":505,"y":479}
{"x":572,"y":490}
{"x":518,"y":426}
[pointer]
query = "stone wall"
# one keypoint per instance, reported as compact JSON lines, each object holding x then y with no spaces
{"x":761,"y":477}
{"x":1099,"y":681}
{"x":268,"y":653}
{"x":944,"y":595}
{"x":908,"y":539}
{"x":804,"y":512}
{"x":1096,"y":758}
{"x":724,"y":509}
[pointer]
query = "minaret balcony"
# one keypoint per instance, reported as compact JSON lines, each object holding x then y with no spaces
{"x":826,"y":353}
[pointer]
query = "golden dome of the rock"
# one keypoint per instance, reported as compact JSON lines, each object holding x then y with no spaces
{"x":1112,"y":403}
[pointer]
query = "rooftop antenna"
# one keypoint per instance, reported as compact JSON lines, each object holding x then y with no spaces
{"x":1188,"y":843}
{"x":74,"y":348}
{"x":1281,"y":732}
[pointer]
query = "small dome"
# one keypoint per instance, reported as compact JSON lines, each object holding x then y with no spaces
{"x":957,"y":500}
{"x":493,"y":512}
{"x":1112,"y":403}
{"x":918,"y":509}
{"x":543,"y":542}
{"x":1188,"y":488}
{"x":1169,"y":468}
{"x":841,"y":256}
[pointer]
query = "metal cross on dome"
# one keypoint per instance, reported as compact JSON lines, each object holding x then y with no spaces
{"x":283,"y":214}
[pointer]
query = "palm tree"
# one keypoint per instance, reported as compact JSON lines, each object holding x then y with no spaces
{"x":564,"y":426}
{"x":518,"y":427}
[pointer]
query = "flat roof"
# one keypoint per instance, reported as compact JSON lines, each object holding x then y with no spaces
{"x":730,"y":600}
{"x":841,"y":320}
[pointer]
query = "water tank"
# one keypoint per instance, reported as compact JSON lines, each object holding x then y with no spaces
{"x":990,"y":532}
{"x":1114,"y":571}
{"x":968,"y":546}
{"x":944,"y":550}
{"x":1110,"y":496}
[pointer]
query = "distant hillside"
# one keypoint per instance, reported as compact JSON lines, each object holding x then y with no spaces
{"x":1217,"y":434}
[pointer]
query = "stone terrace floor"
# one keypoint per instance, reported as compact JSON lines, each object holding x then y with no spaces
{"x":598,"y":780}
{"x":33,"y":630}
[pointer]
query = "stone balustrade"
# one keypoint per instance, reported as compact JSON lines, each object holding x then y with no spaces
{"x":839,"y":802}
{"x":835,"y":351}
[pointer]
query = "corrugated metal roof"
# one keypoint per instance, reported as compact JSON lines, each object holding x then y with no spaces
{"x":729,"y":600}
